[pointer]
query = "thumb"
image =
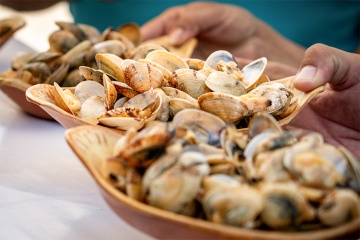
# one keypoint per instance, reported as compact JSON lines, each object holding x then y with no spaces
{"x":323,"y":64}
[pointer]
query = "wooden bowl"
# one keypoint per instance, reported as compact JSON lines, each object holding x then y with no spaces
{"x":15,"y":89}
{"x":94,"y":144}
{"x":8,"y":27}
{"x":41,"y":95}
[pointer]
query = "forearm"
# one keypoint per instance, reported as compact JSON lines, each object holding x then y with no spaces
{"x":28,"y":5}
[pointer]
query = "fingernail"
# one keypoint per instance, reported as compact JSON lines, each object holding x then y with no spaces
{"x":306,"y":73}
{"x":175,"y":36}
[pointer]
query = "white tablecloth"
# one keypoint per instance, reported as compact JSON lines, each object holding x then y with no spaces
{"x":45,"y":191}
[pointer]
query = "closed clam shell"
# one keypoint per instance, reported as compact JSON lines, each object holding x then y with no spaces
{"x":132,"y":32}
{"x":277,"y":93}
{"x":316,"y":165}
{"x":115,"y":47}
{"x":176,"y":93}
{"x":339,"y":206}
{"x":222,"y":82}
{"x":233,"y":205}
{"x":110,"y":64}
{"x":227,"y":107}
{"x":62,"y":41}
{"x":76,"y":56}
{"x":178,"y":186}
{"x":166,"y":72}
{"x":285,"y":206}
{"x":167,"y":59}
{"x":190,"y":81}
{"x":178,"y":104}
{"x":142,"y":77}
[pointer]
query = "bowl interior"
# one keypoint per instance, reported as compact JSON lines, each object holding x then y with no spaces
{"x":94,"y":144}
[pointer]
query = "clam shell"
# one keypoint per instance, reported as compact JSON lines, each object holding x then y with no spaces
{"x":167,"y":59}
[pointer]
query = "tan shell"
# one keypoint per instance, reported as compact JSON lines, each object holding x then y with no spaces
{"x":222,"y":82}
{"x":142,"y":77}
{"x":167,"y":59}
{"x":66,"y":100}
{"x":190,"y":81}
{"x":110,"y":64}
{"x":284,"y":205}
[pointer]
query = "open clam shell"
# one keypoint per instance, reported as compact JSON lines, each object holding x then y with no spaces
{"x":42,"y":95}
{"x":93,"y":145}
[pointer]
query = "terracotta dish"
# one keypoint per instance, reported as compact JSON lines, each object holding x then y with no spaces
{"x":15,"y":89}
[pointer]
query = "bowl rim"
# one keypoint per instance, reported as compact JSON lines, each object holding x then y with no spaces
{"x":204,"y":225}
{"x":31,"y":97}
{"x":15,"y":83}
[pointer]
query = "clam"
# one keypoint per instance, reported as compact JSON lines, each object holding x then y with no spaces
{"x":190,"y":81}
{"x":110,"y":95}
{"x":316,"y":165}
{"x":144,"y":148}
{"x":284,"y":206}
{"x":277,"y":93}
{"x":233,"y":205}
{"x":86,"y":89}
{"x":66,"y":100}
{"x":222,"y":82}
{"x":132,"y":32}
{"x":232,"y":108}
{"x":142,"y":77}
{"x":142,"y":50}
{"x":62,"y":41}
{"x":92,"y":108}
{"x":176,"y":188}
{"x":110,"y":64}
{"x":339,"y":206}
{"x":167,"y":59}
{"x":253,"y":73}
{"x":115,"y":47}
{"x":207,"y":127}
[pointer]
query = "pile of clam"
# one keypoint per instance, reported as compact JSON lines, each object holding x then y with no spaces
{"x":267,"y":178}
{"x":75,"y":45}
{"x":157,"y":84}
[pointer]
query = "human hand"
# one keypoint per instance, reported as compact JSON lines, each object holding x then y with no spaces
{"x":223,"y":27}
{"x":335,"y":113}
